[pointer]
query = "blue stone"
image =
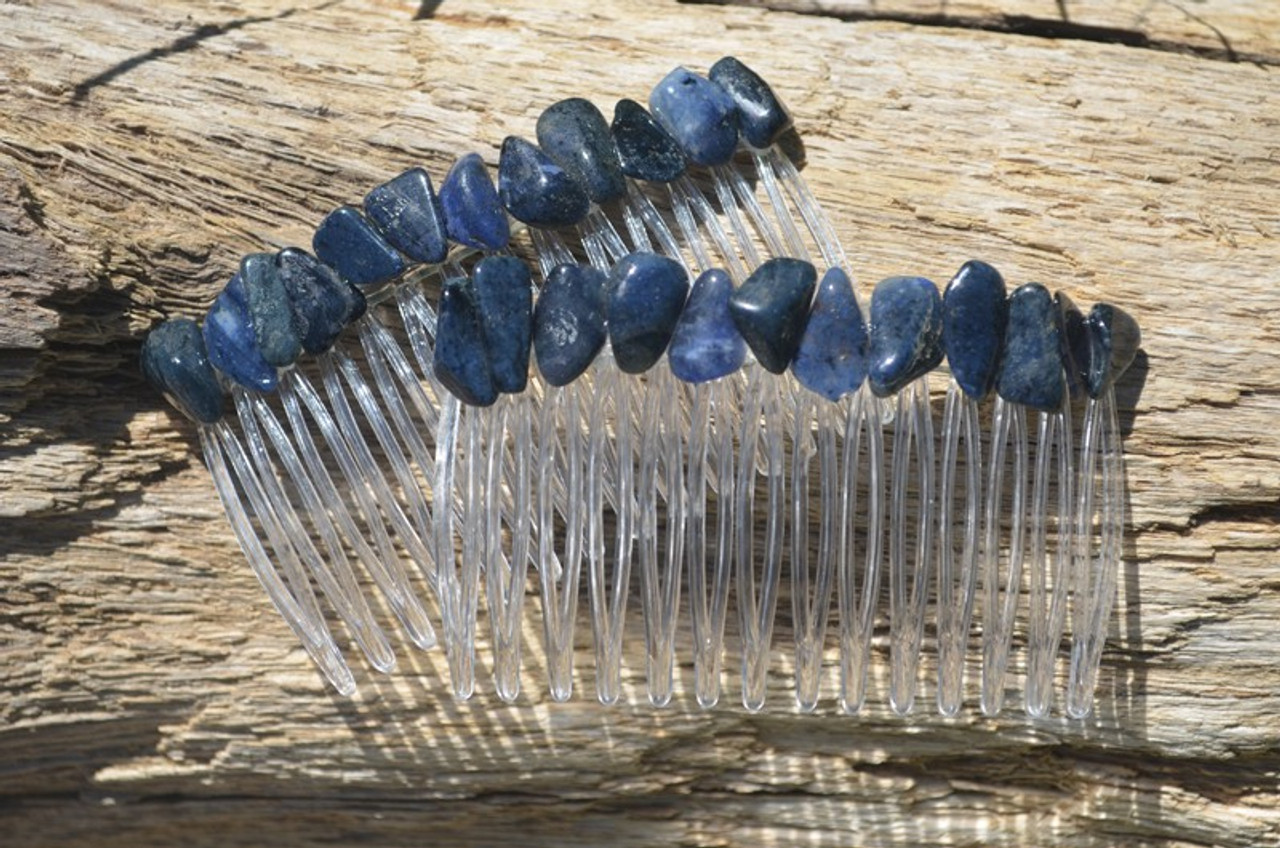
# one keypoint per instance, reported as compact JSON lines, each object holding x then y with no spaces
{"x":504,"y":297}
{"x":832,"y":359}
{"x":461,"y":360}
{"x":1073,"y":333}
{"x":771,"y":310}
{"x":576,"y":137}
{"x":408,"y":213}
{"x":568,"y":322}
{"x":646,"y":294}
{"x":1114,"y":338}
{"x":645,"y":150}
{"x":322,"y":302}
{"x":761,"y":115}
{"x":975,"y":312}
{"x":473,"y":213}
{"x":700,"y":114}
{"x":231,"y":343}
{"x":349,"y":244}
{"x":270,"y":314}
{"x":1031,"y":367}
{"x":175,"y":362}
{"x":706,"y":345}
{"x":906,"y":333}
{"x":535,"y":189}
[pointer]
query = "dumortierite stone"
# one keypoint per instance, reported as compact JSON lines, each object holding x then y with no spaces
{"x":472,"y":211}
{"x":322,"y":302}
{"x":771,"y":309}
{"x":270,"y":314}
{"x":1114,"y":338}
{"x":905,"y":333}
{"x":646,"y":294}
{"x":761,"y":115}
{"x":832,"y":359}
{"x":1031,"y":367}
{"x":576,"y":137}
{"x":408,"y":213}
{"x":706,"y":345}
{"x":1073,"y":333}
{"x":349,"y":244}
{"x":975,"y":311}
{"x":535,"y":189}
{"x":231,"y":343}
{"x":504,"y":297}
{"x":175,"y":362}
{"x":699,"y":114}
{"x":645,"y":150}
{"x":461,"y":361}
{"x":568,"y":322}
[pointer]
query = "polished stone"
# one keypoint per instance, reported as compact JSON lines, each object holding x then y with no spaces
{"x":569,"y":322}
{"x":270,"y":313}
{"x":1114,"y":339}
{"x":832,"y":358}
{"x":473,"y":214}
{"x":322,"y":302}
{"x":348,"y":243}
{"x":700,"y":115}
{"x":576,"y":137}
{"x":535,"y":189}
{"x":706,"y":345}
{"x":1031,"y":366}
{"x":175,"y":362}
{"x":771,"y":310}
{"x":231,"y":343}
{"x":504,"y":297}
{"x":408,"y":213}
{"x":646,"y":151}
{"x":975,"y":312}
{"x":1073,"y":333}
{"x":461,"y":359}
{"x":905,"y":333}
{"x":761,"y":115}
{"x":646,"y":295}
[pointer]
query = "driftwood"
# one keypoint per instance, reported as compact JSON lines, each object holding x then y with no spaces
{"x":150,"y":696}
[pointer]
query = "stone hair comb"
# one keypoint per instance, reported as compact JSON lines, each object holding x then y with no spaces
{"x":414,"y":455}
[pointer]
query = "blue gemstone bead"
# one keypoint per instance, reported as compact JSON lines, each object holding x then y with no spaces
{"x":975,"y":312}
{"x":461,"y":359}
{"x":761,"y":115}
{"x":231,"y":343}
{"x":535,"y":189}
{"x":504,"y":297}
{"x":832,"y":359}
{"x":270,"y":313}
{"x":700,"y":114}
{"x":1031,"y":367}
{"x":349,"y":244}
{"x":905,"y":333}
{"x":322,"y":302}
{"x":576,"y":137}
{"x":706,"y":345}
{"x":646,"y":294}
{"x":472,"y":211}
{"x":1073,"y":333}
{"x":771,"y":310}
{"x":1114,"y":339}
{"x":645,"y":150}
{"x":175,"y":362}
{"x":408,"y":213}
{"x":568,"y":322}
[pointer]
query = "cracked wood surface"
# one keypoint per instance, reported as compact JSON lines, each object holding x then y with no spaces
{"x":148,"y":694}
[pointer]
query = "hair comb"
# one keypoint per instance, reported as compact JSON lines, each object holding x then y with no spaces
{"x":418,"y":415}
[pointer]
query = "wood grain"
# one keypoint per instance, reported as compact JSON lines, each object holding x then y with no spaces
{"x":148,"y":694}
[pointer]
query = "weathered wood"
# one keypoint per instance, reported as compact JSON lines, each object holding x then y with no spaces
{"x":149,"y":694}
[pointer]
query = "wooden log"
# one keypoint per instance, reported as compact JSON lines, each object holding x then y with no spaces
{"x":148,"y":693}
